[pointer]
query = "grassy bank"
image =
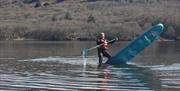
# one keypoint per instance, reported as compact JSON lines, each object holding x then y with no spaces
{"x":84,"y":19}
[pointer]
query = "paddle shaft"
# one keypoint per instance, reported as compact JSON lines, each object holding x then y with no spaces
{"x":100,"y":45}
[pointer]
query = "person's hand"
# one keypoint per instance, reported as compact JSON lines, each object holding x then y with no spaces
{"x":116,"y":38}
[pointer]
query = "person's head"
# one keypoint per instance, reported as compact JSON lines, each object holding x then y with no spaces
{"x":102,"y":35}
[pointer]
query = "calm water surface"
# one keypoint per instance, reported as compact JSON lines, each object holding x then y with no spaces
{"x":59,"y":66}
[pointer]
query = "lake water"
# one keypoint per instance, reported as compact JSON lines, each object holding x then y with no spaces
{"x":59,"y":66}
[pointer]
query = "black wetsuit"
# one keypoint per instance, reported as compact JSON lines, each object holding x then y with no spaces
{"x":103,"y":51}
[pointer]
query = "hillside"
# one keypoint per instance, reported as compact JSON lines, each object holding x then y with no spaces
{"x":84,"y":19}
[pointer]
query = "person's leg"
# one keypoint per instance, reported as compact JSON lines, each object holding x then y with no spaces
{"x":100,"y":56}
{"x":106,"y":54}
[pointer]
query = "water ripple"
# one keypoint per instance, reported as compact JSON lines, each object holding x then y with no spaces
{"x":169,"y":75}
{"x":62,"y":74}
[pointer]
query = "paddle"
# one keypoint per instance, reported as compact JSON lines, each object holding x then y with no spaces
{"x":85,"y":50}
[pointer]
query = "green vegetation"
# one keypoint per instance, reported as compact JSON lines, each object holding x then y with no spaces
{"x":84,"y":19}
{"x":91,"y":19}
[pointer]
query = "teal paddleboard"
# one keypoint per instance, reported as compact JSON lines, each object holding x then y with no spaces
{"x":125,"y":54}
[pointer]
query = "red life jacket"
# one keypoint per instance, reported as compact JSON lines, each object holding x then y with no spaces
{"x":104,"y":44}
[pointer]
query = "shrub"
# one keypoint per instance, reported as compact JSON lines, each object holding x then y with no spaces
{"x":91,"y":19}
{"x":67,"y":16}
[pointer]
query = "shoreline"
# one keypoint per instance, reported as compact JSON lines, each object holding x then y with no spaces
{"x":158,"y":40}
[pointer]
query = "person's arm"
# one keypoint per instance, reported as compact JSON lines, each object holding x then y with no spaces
{"x":97,"y":41}
{"x":113,"y":41}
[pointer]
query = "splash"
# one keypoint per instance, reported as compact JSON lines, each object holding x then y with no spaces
{"x":84,"y":61}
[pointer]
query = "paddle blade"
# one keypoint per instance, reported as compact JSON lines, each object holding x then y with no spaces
{"x":84,"y":52}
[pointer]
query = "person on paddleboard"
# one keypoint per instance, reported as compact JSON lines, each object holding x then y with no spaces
{"x":102,"y":49}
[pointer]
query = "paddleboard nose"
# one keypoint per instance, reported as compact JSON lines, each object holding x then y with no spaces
{"x":161,"y":25}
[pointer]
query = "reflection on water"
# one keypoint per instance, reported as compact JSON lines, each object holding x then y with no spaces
{"x":35,"y":65}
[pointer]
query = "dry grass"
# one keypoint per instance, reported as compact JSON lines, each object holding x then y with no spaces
{"x":69,"y":20}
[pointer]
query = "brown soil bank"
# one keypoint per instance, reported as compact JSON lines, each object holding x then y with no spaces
{"x":84,"y":19}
